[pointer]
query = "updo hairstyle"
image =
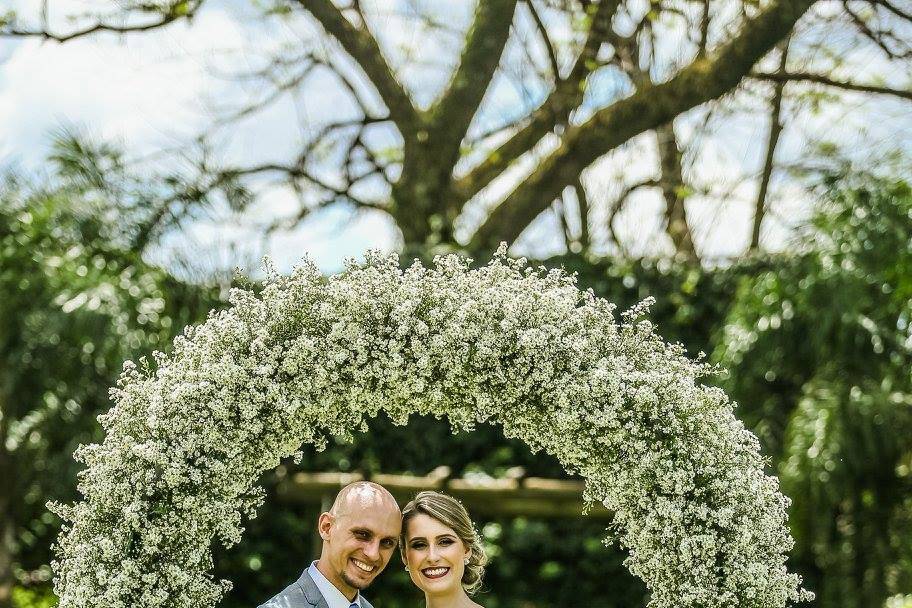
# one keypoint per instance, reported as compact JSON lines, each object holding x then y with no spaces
{"x":450,"y":512}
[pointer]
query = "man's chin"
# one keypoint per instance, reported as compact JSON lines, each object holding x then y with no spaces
{"x":357,"y":582}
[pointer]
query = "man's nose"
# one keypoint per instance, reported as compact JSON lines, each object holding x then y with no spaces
{"x":372,"y":550}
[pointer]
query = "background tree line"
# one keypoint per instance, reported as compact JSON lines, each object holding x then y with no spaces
{"x":815,"y":341}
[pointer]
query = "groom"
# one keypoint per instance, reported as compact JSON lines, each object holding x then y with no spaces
{"x":359,"y":535}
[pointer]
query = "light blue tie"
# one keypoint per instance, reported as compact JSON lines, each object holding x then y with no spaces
{"x":354,"y":605}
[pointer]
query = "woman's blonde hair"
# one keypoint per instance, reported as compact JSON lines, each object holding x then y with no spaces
{"x":450,"y":512}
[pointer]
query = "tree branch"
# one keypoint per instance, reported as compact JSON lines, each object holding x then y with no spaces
{"x":183,"y":9}
{"x":891,"y":8}
{"x":703,"y":44}
{"x":559,"y":209}
{"x":674,"y":191}
{"x":878,"y":36}
{"x":294,"y":172}
{"x":546,"y":40}
{"x":618,"y":205}
{"x":771,"y":143}
{"x":567,"y":95}
{"x":582,"y":200}
{"x":831,"y":82}
{"x":652,"y":106}
{"x":279,"y":88}
{"x":363,"y":48}
{"x":451,"y":115}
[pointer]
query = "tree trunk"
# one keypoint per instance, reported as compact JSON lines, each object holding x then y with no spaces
{"x":674,"y":191}
{"x":424,"y":205}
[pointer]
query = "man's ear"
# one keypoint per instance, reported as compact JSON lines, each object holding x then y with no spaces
{"x":325,"y":524}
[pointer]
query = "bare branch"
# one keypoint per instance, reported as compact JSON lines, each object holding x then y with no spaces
{"x":877,"y":36}
{"x":299,"y":171}
{"x":772,"y":142}
{"x":452,"y":113}
{"x":892,"y":8}
{"x":582,"y":200}
{"x":278,"y":89}
{"x":621,"y":200}
{"x":183,"y":9}
{"x":617,"y":206}
{"x":647,"y":109}
{"x":497,"y":130}
{"x":674,"y":191}
{"x":363,"y":48}
{"x":831,"y":82}
{"x":546,"y":39}
{"x":351,"y":88}
{"x":567,"y":95}
{"x":559,"y":208}
{"x":704,"y":29}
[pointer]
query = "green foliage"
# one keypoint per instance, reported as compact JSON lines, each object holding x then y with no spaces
{"x":33,"y":598}
{"x":75,"y":304}
{"x":139,"y":207}
{"x":820,"y":351}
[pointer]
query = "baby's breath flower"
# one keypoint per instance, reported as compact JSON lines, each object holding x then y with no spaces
{"x":190,"y":433}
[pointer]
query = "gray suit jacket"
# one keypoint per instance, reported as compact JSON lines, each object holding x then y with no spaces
{"x":303,"y":593}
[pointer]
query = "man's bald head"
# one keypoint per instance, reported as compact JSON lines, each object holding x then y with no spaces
{"x":363,"y":495}
{"x":359,"y":535}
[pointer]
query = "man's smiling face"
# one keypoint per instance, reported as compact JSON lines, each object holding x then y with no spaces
{"x":359,"y":536}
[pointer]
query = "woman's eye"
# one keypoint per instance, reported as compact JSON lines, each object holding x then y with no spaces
{"x":446,"y":542}
{"x":417,"y":545}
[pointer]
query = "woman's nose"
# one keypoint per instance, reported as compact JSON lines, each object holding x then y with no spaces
{"x":432,"y":553}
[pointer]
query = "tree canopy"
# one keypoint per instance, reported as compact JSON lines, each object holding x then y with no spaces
{"x":532,"y":95}
{"x":76,"y":303}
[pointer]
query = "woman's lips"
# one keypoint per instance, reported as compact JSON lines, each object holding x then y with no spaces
{"x":437,"y":572}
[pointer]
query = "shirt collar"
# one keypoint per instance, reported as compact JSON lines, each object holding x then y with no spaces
{"x":330,"y":593}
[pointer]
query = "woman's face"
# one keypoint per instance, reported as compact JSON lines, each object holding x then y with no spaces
{"x":434,"y":555}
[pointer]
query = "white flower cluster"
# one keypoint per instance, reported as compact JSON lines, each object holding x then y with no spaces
{"x":189,"y":435}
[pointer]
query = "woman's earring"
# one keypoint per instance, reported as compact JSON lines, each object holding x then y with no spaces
{"x":466,"y":561}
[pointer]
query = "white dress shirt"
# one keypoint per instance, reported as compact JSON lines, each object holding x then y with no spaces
{"x":331,"y":594}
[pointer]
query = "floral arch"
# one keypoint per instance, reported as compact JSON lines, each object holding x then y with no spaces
{"x":188,"y":437}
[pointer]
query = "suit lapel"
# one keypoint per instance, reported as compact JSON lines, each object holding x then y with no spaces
{"x":311,"y":592}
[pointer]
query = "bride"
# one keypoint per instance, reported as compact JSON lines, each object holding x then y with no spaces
{"x":442,"y":551}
